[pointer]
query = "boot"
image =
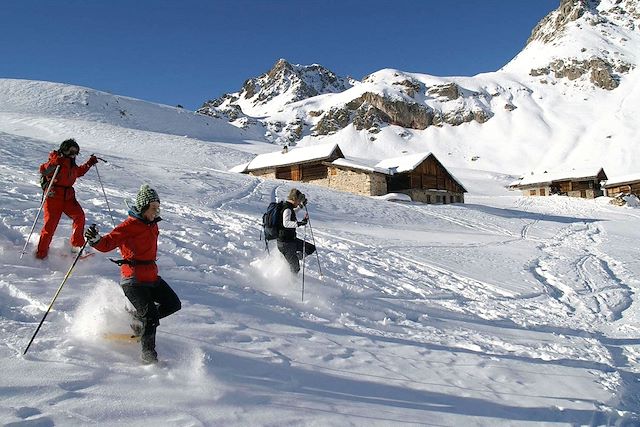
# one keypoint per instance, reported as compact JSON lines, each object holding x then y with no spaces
{"x":149,"y":356}
{"x":148,"y":342}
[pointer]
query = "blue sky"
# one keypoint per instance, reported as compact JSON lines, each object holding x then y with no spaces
{"x":187,"y":51}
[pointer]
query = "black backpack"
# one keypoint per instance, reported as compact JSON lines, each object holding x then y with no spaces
{"x":272,"y":220}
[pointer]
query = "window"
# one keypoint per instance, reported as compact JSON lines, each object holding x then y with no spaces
{"x":532,"y":192}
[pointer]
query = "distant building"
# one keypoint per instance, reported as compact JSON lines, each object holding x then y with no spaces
{"x":623,"y":184}
{"x":583,"y":183}
{"x":420,"y":176}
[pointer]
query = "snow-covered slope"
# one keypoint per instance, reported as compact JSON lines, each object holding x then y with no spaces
{"x":61,"y":100}
{"x":503,"y":311}
{"x":565,"y":100}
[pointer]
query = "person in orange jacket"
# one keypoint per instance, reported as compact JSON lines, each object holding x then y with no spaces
{"x":137,"y":238}
{"x":62,"y":197}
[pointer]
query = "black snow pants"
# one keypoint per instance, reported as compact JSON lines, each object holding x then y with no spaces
{"x":292,"y":251}
{"x":153,"y":301}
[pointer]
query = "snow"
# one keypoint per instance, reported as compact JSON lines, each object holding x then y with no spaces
{"x":403,"y":163}
{"x":501,"y":311}
{"x":558,"y":175}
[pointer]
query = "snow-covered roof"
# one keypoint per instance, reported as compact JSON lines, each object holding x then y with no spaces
{"x":563,"y":175}
{"x":403,"y":163}
{"x":387,"y":166}
{"x":240,"y":168}
{"x":292,"y":156}
{"x":622,"y":179}
{"x":367,"y":165}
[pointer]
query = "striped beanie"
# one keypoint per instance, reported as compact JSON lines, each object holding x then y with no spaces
{"x":145,"y":196}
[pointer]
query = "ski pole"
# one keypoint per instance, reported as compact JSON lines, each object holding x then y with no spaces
{"x":313,"y":240}
{"x":105,"y":194}
{"x":44,"y":199}
{"x":304,"y":242}
{"x":66,"y":276}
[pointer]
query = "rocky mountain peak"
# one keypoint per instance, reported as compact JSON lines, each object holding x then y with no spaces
{"x":624,"y":13}
{"x":583,"y":43}
{"x":296,"y":82}
{"x":283,"y":84}
{"x":554,"y":23}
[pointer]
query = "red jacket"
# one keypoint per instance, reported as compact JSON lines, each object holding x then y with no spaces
{"x":63,"y":186}
{"x":137,"y":240}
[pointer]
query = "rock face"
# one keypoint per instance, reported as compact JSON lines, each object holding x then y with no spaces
{"x":370,"y":111}
{"x":552,"y":26}
{"x":600,"y":72}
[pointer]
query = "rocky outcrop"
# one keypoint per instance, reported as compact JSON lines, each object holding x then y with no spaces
{"x":371,"y":110}
{"x":553,"y":24}
{"x":449,"y":91}
{"x":399,"y":112}
{"x":332,"y":121}
{"x":602,"y":73}
{"x":410,"y":87}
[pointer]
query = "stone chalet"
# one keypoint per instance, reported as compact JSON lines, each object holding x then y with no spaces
{"x":420,"y":176}
{"x":583,"y":183}
{"x":623,"y":184}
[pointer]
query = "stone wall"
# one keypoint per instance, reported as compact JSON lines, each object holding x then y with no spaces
{"x":264,"y":173}
{"x":354,"y":182}
{"x":535,"y":191}
{"x":434,"y":197}
{"x":590,"y":193}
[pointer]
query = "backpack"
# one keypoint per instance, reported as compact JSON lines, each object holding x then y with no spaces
{"x":272,"y":220}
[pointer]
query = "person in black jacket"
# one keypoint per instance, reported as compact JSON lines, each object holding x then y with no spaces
{"x":288,"y":244}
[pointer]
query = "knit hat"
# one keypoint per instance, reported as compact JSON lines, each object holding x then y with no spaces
{"x":67,"y":144}
{"x":145,"y":196}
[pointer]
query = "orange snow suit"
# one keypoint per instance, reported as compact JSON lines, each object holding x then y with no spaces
{"x":61,"y":199}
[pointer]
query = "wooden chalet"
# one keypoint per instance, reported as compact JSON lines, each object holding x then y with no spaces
{"x":420,"y":176}
{"x":585,"y":183}
{"x":623,"y":185}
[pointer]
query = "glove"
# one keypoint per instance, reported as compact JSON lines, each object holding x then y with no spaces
{"x":92,"y":235}
{"x":303,"y":222}
{"x":303,"y":200}
{"x":92,"y":160}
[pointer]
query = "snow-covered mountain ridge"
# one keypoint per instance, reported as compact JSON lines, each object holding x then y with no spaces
{"x":546,"y":108}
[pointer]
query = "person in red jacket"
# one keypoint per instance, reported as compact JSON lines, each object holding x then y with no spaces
{"x":62,"y":197}
{"x":137,"y":238}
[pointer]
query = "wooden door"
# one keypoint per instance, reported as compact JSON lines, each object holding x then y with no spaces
{"x":296,"y":173}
